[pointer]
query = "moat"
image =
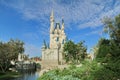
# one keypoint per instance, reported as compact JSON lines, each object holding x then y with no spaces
{"x":26,"y":75}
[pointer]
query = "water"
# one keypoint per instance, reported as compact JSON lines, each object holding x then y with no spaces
{"x":28,"y":76}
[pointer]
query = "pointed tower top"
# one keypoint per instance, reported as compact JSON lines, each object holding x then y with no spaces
{"x":62,"y":20}
{"x":44,"y":44}
{"x":62,"y":25}
{"x":52,"y":13}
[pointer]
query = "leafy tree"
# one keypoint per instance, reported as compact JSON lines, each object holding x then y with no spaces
{"x":9,"y":51}
{"x":81,"y":50}
{"x":103,"y":52}
{"x":69,"y":51}
{"x":110,"y":50}
{"x":74,"y":52}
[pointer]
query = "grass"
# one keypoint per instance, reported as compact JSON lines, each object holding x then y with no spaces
{"x":9,"y":75}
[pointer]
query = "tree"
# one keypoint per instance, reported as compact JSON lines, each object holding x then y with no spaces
{"x":81,"y":50}
{"x":110,"y":49}
{"x":74,"y":52}
{"x":103,"y":53}
{"x":9,"y":51}
{"x":69,"y":51}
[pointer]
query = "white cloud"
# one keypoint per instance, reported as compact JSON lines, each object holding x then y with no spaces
{"x":84,"y":13}
{"x":97,"y":21}
{"x":95,"y":32}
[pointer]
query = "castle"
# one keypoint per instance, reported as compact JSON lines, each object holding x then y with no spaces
{"x":52,"y":54}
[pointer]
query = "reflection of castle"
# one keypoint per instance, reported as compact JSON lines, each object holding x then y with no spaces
{"x":53,"y":53}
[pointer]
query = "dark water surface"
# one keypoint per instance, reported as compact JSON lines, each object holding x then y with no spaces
{"x":32,"y":75}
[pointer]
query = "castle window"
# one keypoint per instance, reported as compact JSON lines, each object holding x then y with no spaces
{"x":63,"y":41}
{"x":52,"y":32}
{"x":57,"y":39}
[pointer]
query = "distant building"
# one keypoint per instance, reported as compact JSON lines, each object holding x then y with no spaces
{"x":22,"y":57}
{"x":52,"y":53}
{"x":35,"y":59}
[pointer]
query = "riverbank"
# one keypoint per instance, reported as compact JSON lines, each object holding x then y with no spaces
{"x":46,"y":69}
{"x":9,"y":75}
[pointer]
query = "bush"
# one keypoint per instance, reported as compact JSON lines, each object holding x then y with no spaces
{"x":85,"y":72}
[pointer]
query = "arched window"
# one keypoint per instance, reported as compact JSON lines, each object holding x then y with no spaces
{"x":63,"y":41}
{"x":57,"y":39}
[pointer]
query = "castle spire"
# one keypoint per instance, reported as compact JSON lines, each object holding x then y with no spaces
{"x":45,"y":45}
{"x":62,"y":21}
{"x":52,"y":13}
{"x":62,"y":25}
{"x":52,"y":22}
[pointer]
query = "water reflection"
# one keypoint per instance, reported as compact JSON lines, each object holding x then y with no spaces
{"x":28,"y":75}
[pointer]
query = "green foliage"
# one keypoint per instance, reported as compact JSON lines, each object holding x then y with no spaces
{"x":112,"y":27}
{"x":103,"y":53}
{"x":109,"y":51}
{"x":9,"y":51}
{"x":9,"y":75}
{"x":85,"y":72}
{"x":74,"y":52}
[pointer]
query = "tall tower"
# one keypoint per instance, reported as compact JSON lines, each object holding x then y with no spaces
{"x":62,"y":29}
{"x":63,"y":33}
{"x":51,"y":28}
{"x":52,"y":22}
{"x":53,"y":54}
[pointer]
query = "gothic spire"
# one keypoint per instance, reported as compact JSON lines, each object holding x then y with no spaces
{"x":45,"y":45}
{"x":62,"y":24}
{"x":52,"y":13}
{"x":52,"y":22}
{"x":62,"y":20}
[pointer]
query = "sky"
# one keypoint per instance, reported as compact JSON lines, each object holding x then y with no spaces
{"x":29,"y":20}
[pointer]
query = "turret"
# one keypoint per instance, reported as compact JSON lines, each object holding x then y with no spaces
{"x":44,"y":45}
{"x":52,"y":22}
{"x":62,"y":25}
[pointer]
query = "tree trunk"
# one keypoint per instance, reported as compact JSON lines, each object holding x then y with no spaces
{"x":2,"y":68}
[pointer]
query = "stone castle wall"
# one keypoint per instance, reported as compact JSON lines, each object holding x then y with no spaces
{"x":57,"y":39}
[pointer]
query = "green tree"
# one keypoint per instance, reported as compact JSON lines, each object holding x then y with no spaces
{"x":69,"y":51}
{"x":103,"y":53}
{"x":74,"y":52}
{"x":110,"y":50}
{"x":81,"y":51}
{"x":9,"y":51}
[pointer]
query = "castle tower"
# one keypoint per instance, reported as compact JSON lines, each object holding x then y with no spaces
{"x":52,"y":54}
{"x":51,"y":22}
{"x":51,"y":28}
{"x":62,"y":29}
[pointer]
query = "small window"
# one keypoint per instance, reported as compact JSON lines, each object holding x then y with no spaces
{"x":63,"y":41}
{"x":57,"y":39}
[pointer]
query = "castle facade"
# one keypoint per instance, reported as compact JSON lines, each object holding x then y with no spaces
{"x":52,"y":54}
